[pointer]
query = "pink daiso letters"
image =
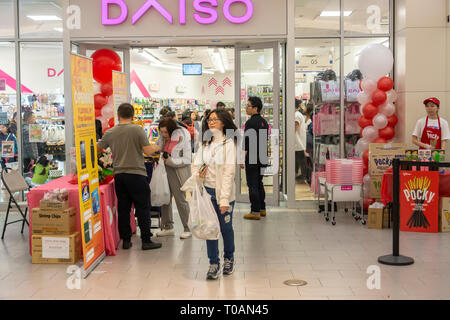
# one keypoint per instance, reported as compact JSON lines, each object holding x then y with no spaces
{"x":205,"y":11}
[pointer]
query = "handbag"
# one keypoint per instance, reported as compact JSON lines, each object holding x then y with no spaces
{"x":159,"y":186}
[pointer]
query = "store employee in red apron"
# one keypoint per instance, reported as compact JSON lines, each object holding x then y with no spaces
{"x":431,"y":132}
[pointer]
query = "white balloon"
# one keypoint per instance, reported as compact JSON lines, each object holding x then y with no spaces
{"x":363,"y":99}
{"x":387,"y":109}
{"x":391,"y":96}
{"x":366,"y":191}
{"x":370,"y":133}
{"x":366,"y":179}
{"x":369,"y":86}
{"x":97,"y":88}
{"x":108,"y":112}
{"x":103,"y":121}
{"x":380,"y":121}
{"x":362,"y":145}
{"x":376,"y":61}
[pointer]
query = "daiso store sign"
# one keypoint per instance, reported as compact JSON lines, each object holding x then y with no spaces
{"x":204,"y":12}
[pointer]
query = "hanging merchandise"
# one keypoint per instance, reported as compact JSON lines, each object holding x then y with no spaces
{"x":327,"y":120}
{"x":352,"y":116}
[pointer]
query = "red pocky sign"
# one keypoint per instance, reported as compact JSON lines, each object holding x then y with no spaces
{"x":419,"y":201}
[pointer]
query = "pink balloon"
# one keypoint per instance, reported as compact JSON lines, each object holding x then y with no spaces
{"x":391,"y":96}
{"x":363,"y":99}
{"x":380,"y":121}
{"x":366,"y":179}
{"x":387,"y":109}
{"x":370,"y":133}
{"x":108,"y":111}
{"x":362,"y":145}
{"x":369,"y":86}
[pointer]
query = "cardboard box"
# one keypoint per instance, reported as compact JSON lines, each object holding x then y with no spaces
{"x":53,"y":205}
{"x":375,"y":186}
{"x":54,"y":222}
{"x":375,"y":218}
{"x":56,"y":249}
{"x":444,"y":215}
{"x":381,"y":156}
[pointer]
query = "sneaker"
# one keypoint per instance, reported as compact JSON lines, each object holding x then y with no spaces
{"x":228,"y":266}
{"x":263,"y":213}
{"x":126,"y":244}
{"x":151,"y":245}
{"x":165,"y":233}
{"x":186,"y":235}
{"x":213,"y":272}
{"x":252,"y":216}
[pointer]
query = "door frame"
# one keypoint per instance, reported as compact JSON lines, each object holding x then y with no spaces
{"x":274,"y":198}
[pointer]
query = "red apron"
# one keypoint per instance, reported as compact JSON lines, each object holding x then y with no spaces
{"x":432,"y":136}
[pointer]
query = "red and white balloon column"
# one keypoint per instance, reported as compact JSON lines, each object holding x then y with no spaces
{"x":104,"y":62}
{"x":378,"y":119}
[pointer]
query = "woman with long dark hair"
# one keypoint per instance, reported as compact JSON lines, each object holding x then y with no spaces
{"x":176,"y":146}
{"x":215,"y":165}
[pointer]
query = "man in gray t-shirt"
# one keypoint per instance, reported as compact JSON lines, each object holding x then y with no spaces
{"x":128,"y":143}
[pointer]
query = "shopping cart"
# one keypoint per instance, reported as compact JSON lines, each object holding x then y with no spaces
{"x":343,"y":183}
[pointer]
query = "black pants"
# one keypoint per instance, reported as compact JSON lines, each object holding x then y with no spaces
{"x":300,"y":163}
{"x":133,"y":189}
{"x":255,"y":184}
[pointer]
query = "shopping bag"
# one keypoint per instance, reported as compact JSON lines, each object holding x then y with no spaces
{"x":203,"y":221}
{"x":159,"y":186}
{"x":329,"y":120}
{"x":330,"y":91}
{"x":352,"y":115}
{"x":352,"y":90}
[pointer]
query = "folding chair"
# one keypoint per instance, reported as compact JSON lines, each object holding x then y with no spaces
{"x":14,"y":182}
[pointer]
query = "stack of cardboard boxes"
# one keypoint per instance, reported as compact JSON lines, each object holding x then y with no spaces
{"x":54,"y":233}
{"x":380,"y":159}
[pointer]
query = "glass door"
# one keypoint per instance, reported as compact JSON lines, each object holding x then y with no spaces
{"x":258,"y":74}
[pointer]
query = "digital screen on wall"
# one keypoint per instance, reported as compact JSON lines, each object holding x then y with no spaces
{"x":192,"y":69}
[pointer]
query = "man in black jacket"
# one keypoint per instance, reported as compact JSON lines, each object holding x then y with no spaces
{"x":256,"y":134}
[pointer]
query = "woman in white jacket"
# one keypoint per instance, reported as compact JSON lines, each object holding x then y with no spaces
{"x":215,"y":163}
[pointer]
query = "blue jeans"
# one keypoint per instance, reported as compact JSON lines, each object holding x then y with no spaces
{"x":226,"y":228}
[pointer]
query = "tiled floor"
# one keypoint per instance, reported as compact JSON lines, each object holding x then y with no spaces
{"x":287,"y":244}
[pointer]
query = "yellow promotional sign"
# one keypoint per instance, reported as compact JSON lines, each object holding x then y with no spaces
{"x":120,"y":86}
{"x":87,"y":165}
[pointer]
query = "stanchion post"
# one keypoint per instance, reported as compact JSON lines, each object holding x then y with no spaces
{"x":395,"y":259}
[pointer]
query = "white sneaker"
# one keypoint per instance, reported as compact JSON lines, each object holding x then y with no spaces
{"x":185,"y":235}
{"x":165,"y":233}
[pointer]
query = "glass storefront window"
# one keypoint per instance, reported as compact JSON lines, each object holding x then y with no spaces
{"x":367,"y":17}
{"x":317,"y":18}
{"x":7,"y":18}
{"x":41,"y":18}
{"x":42,"y":111}
{"x":317,"y":91}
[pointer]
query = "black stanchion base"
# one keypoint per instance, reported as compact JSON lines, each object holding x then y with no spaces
{"x":392,"y":260}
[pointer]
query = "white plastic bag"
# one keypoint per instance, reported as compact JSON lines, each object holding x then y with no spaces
{"x":203,"y":221}
{"x":159,"y":186}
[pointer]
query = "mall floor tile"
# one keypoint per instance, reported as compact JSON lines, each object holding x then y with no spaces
{"x":287,"y":244}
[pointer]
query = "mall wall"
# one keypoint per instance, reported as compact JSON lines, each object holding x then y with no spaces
{"x":422,"y":44}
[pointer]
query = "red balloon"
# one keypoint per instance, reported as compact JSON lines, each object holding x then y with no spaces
{"x":370,"y":111}
{"x":392,"y":121}
{"x":98,"y":113}
{"x":365,"y":158}
{"x":109,"y":54}
{"x":387,"y":133}
{"x":379,"y":140}
{"x":379,"y":97}
{"x":100,"y":101}
{"x":365,"y":170}
{"x":111,"y":122}
{"x":102,"y":69}
{"x":107,"y":89}
{"x":364,"y":122}
{"x":368,"y":202}
{"x":385,"y":84}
